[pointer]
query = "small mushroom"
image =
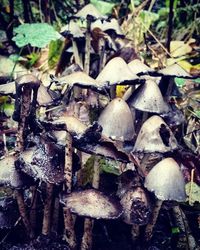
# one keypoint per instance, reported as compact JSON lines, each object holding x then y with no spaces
{"x":93,"y":204}
{"x":155,"y":136}
{"x":136,"y":206}
{"x":72,"y":29}
{"x":116,"y":71}
{"x":147,"y":97}
{"x":166,"y":181}
{"x":44,"y":162}
{"x":9,"y":176}
{"x":174,"y":70}
{"x":139,"y":68}
{"x":79,"y":79}
{"x":117,"y":121}
{"x":108,"y":25}
{"x":89,"y":10}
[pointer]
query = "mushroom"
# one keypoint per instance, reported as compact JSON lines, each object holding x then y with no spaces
{"x":139,"y":68}
{"x":108,"y":26}
{"x":155,"y":136}
{"x":174,"y":70}
{"x":89,"y":9}
{"x":135,"y":203}
{"x":116,"y":71}
{"x":167,"y":183}
{"x":92,"y":204}
{"x":147,"y":97}
{"x":117,"y":121}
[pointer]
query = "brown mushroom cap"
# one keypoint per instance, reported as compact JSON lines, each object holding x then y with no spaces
{"x":174,"y":70}
{"x":92,"y":203}
{"x":28,"y":79}
{"x":138,"y":67}
{"x":89,"y":9}
{"x":166,"y":181}
{"x":116,"y":71}
{"x":117,"y":121}
{"x":155,"y":137}
{"x":147,"y":97}
{"x":136,"y":207}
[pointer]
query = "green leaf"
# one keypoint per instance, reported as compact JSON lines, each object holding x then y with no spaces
{"x":180,"y":82}
{"x":175,"y":230}
{"x":36,"y":34}
{"x":104,"y":7}
{"x":193,"y":192}
{"x":108,"y":166}
{"x":55,"y":49}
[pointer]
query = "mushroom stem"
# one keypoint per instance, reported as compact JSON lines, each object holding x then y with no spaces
{"x":25,"y":108}
{"x":55,"y":215}
{"x":186,"y":237}
{"x":102,"y":54}
{"x":135,"y":232}
{"x":86,"y":242}
{"x":22,"y":209}
{"x":33,"y":207}
{"x":87,"y":48}
{"x":47,"y":209}
{"x":151,"y":224}
{"x":70,"y":236}
{"x":76,"y":54}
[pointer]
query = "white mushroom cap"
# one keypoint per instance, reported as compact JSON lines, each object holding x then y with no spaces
{"x":78,"y":78}
{"x":147,"y":97}
{"x":166,"y":181}
{"x":89,"y":9}
{"x":137,"y":67}
{"x":117,"y":121}
{"x":94,"y":204}
{"x":72,"y":29}
{"x":174,"y":70}
{"x":108,"y":25}
{"x":116,"y":71}
{"x":155,"y":137}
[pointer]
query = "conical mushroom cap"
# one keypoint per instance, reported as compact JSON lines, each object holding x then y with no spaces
{"x":108,"y":25}
{"x":89,"y":9}
{"x":78,"y":78}
{"x":155,"y":137}
{"x":136,"y":207}
{"x":138,"y":67}
{"x":72,"y":29}
{"x":166,"y":181}
{"x":174,"y":70}
{"x":116,"y":71}
{"x":147,"y":97}
{"x":117,"y":121}
{"x":93,"y":204}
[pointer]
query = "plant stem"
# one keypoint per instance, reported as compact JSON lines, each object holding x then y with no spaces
{"x":170,"y":24}
{"x":12,"y":72}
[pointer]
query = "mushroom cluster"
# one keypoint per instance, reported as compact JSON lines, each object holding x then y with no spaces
{"x":87,"y":122}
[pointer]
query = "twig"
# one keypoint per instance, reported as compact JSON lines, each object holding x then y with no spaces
{"x":170,"y":24}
